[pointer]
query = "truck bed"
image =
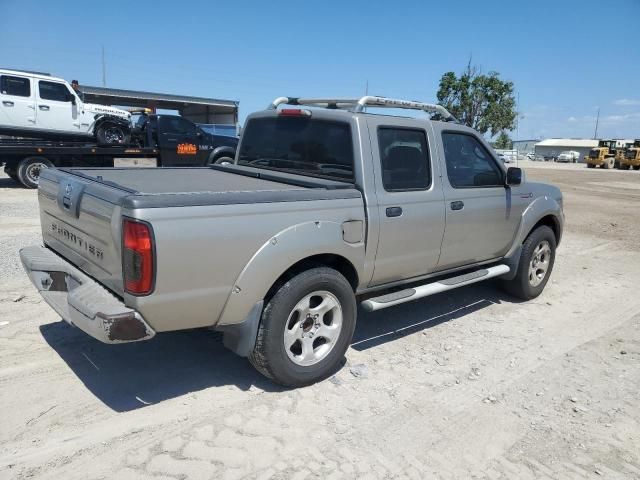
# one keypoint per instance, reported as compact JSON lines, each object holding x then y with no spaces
{"x":81,"y":210}
{"x":216,"y":185}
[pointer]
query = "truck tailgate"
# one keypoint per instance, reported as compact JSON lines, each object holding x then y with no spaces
{"x":81,"y":221}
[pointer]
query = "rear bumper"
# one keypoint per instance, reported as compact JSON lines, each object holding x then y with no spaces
{"x":80,"y":300}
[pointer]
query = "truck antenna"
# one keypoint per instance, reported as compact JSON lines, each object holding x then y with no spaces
{"x":104,"y":70}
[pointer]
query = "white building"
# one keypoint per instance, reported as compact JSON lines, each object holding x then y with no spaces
{"x":525,"y":146}
{"x":552,"y":147}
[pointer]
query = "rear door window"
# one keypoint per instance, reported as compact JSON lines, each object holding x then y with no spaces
{"x":16,"y":86}
{"x":301,"y":145}
{"x":404,"y":158}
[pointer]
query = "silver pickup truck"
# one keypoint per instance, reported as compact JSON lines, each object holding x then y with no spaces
{"x":326,"y":205}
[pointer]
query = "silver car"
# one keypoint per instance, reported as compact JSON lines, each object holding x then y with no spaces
{"x":327,"y":206}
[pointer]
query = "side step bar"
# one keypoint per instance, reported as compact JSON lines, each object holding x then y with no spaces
{"x":410,"y":294}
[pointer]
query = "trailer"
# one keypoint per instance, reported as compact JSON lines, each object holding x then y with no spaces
{"x":24,"y":159}
{"x":157,"y":141}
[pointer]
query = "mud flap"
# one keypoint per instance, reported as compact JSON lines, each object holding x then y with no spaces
{"x":240,"y":338}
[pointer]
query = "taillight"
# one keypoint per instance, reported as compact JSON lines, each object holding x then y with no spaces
{"x":137,"y":257}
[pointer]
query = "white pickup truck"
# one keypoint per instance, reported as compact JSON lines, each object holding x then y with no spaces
{"x":568,"y":156}
{"x":326,"y":206}
{"x":37,"y":105}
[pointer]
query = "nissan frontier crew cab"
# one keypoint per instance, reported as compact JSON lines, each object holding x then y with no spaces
{"x":325,"y":206}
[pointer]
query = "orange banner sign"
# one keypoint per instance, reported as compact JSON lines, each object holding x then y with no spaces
{"x":187,"y":149}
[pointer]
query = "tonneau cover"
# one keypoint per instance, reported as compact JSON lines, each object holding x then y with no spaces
{"x":181,"y":187}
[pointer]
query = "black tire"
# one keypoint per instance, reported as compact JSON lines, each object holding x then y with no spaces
{"x":270,"y":356}
{"x":223,"y":161}
{"x":219,"y":158}
{"x":637,"y":167}
{"x":590,"y":165}
{"x":113,"y":134}
{"x":28,"y":171}
{"x":521,"y":286}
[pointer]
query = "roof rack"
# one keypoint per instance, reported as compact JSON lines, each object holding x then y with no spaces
{"x":359,"y":104}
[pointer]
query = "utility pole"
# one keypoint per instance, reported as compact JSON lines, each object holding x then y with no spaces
{"x":517,"y":127}
{"x":104,"y":70}
{"x":595,"y":134}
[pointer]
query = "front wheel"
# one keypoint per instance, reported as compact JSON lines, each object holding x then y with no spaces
{"x":112,"y":134}
{"x":223,"y":161}
{"x":29,"y":169}
{"x":306,"y":328}
{"x":536,"y":263}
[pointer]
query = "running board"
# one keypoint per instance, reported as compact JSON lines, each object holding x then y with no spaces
{"x":410,"y":294}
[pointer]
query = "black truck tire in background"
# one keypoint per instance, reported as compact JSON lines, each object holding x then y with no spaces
{"x":28,"y":170}
{"x":224,"y":160}
{"x":221,"y":156}
{"x":108,"y":133}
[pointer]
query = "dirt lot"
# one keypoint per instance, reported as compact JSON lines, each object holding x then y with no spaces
{"x":469,"y":384}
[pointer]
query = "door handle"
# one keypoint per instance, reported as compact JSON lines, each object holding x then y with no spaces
{"x":7,"y":103}
{"x":43,"y":107}
{"x":394,"y":211}
{"x":457,"y":205}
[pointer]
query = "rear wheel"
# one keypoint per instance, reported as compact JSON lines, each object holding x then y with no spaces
{"x":306,"y":328}
{"x":590,"y":165}
{"x":624,"y":166}
{"x":113,"y":134}
{"x":637,"y":167}
{"x":29,"y":169}
{"x":536,"y":263}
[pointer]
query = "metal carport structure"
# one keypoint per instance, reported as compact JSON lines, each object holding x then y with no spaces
{"x":196,"y":109}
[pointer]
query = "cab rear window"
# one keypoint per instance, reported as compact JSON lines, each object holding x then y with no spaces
{"x":301,"y":145}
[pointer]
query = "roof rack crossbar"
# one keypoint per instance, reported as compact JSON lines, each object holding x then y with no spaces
{"x":359,"y":104}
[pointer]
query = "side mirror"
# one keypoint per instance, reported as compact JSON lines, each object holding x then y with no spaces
{"x":514,"y":176}
{"x":72,"y":98}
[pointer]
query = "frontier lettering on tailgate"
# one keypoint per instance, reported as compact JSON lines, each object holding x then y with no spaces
{"x":69,"y":237}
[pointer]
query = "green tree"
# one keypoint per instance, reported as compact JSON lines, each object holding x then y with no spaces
{"x":483,"y":102}
{"x":503,"y":142}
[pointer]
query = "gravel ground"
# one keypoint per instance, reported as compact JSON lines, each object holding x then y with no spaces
{"x":465,"y":384}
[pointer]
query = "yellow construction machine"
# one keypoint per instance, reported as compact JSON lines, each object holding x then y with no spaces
{"x":631,"y":156}
{"x":604,"y":155}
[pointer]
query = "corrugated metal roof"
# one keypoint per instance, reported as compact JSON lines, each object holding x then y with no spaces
{"x":158,"y":97}
{"x":567,"y":142}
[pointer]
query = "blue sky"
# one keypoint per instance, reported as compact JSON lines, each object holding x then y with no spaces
{"x":566,"y":58}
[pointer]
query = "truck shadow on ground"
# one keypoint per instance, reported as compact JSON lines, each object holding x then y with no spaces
{"x":131,"y":376}
{"x":387,"y":325}
{"x":7,"y":182}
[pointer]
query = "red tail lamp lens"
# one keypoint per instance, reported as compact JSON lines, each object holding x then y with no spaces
{"x":138,"y":268}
